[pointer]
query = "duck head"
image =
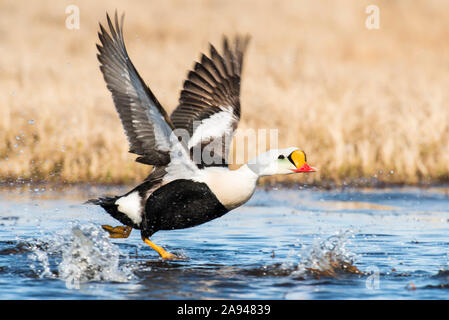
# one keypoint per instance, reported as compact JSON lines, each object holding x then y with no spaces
{"x":280,"y":161}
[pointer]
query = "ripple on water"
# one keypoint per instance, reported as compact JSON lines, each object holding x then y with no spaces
{"x":270,"y":248}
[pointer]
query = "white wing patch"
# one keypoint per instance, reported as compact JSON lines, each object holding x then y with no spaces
{"x":131,"y":206}
{"x":180,"y":167}
{"x":215,"y":126}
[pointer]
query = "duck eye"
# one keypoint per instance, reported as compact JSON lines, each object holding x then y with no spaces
{"x":281,"y":156}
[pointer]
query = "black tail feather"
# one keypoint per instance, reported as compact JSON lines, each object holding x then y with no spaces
{"x":106,"y":201}
{"x":108,"y":204}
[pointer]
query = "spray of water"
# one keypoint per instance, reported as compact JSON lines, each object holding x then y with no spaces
{"x":81,"y":255}
{"x":329,"y":257}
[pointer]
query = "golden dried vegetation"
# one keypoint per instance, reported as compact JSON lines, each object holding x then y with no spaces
{"x":364,"y":104}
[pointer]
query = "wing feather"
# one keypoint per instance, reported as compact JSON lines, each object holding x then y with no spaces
{"x":209,"y":103}
{"x":147,"y":125}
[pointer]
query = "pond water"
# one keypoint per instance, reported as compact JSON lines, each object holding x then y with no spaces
{"x":291,"y":243}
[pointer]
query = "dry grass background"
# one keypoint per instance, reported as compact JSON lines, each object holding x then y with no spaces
{"x":364,"y":104}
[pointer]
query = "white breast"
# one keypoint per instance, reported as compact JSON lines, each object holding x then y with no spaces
{"x":232,"y":187}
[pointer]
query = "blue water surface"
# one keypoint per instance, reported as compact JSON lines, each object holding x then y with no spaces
{"x":284,"y":243}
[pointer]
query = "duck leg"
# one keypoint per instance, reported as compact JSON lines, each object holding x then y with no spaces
{"x":164,"y":254}
{"x":117,"y":232}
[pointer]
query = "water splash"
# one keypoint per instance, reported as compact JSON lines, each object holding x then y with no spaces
{"x":323,"y":258}
{"x":82,"y":255}
{"x":330,"y":257}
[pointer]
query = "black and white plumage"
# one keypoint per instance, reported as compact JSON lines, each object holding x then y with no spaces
{"x":183,"y":190}
{"x":209,"y":104}
{"x":145,"y":121}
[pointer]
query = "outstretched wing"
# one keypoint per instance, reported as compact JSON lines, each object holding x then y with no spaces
{"x":209,"y":104}
{"x":147,"y":125}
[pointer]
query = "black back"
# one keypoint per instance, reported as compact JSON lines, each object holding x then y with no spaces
{"x":180,"y":204}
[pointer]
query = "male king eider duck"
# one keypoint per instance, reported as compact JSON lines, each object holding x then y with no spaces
{"x":182,"y":191}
